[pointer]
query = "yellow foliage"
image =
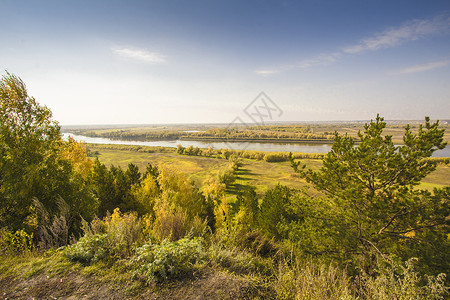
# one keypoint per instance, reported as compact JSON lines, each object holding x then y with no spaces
{"x":75,"y":152}
{"x":170,"y":223}
{"x":19,"y":242}
{"x":222,"y":215}
{"x":174,"y":224}
{"x":410,"y":234}
{"x":146,"y":193}
{"x":123,"y":230}
{"x":178,"y":192}
{"x":147,"y":225}
{"x":213,"y":190}
{"x":178,"y":207}
{"x":243,"y":219}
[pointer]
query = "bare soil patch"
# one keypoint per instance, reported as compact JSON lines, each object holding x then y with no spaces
{"x":208,"y":285}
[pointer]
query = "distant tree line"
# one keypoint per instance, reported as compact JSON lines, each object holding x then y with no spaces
{"x":269,"y":133}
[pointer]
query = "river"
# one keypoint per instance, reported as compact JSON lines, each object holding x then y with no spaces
{"x":270,"y":147}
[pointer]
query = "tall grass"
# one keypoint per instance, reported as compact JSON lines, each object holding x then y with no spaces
{"x":312,"y":280}
{"x":401,"y":281}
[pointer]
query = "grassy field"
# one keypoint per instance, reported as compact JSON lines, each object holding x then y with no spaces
{"x":437,"y":179}
{"x":260,"y":174}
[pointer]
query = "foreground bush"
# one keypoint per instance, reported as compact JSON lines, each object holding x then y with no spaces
{"x":89,"y":249}
{"x":158,"y":262}
{"x":114,"y":237}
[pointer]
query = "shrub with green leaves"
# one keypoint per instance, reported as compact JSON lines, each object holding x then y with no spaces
{"x":276,"y":157}
{"x":89,"y":249}
{"x":123,"y":232}
{"x":227,"y":176}
{"x":168,"y":259}
{"x":235,"y":162}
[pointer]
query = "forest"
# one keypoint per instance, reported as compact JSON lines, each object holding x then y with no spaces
{"x":360,"y":224}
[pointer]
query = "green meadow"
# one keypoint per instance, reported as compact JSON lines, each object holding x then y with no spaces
{"x":257,"y":173}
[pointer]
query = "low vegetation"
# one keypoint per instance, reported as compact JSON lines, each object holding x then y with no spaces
{"x":363,"y":228}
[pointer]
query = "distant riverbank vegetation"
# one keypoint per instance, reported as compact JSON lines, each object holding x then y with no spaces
{"x":285,"y":133}
{"x":224,"y":153}
{"x":275,"y":133}
{"x":362,"y":228}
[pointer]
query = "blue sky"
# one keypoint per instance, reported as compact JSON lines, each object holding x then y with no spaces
{"x":130,"y":62}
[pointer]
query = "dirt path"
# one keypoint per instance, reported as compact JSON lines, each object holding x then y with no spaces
{"x":75,"y":286}
{"x":71,"y":286}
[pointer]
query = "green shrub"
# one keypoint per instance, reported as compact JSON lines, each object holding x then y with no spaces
{"x":114,"y":237}
{"x":180,"y":149}
{"x":89,"y":249}
{"x":226,"y":153}
{"x":276,"y":157}
{"x":167,"y":260}
{"x":191,"y":150}
{"x":235,"y":162}
{"x":227,"y":176}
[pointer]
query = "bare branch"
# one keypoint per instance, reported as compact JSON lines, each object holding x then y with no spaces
{"x":398,"y":214}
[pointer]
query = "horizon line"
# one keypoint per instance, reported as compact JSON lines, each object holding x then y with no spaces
{"x":255,"y":124}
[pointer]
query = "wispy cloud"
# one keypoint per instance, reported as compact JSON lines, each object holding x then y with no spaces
{"x":410,"y":31}
{"x":321,"y":60}
{"x":140,"y":55}
{"x":267,"y":72}
{"x":424,"y":67}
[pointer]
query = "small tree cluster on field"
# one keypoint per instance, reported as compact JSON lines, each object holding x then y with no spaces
{"x":248,"y":154}
{"x":228,"y":174}
{"x":134,"y":148}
